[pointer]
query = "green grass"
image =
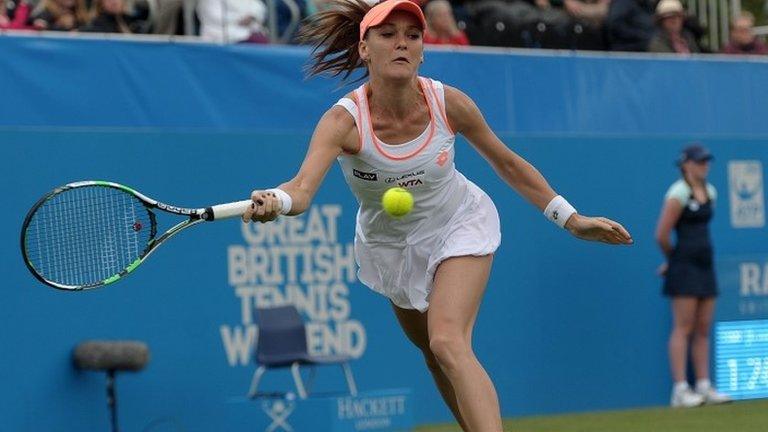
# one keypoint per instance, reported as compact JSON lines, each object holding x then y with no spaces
{"x":748,"y":416}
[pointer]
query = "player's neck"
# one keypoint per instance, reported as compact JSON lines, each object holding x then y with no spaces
{"x":395,"y":98}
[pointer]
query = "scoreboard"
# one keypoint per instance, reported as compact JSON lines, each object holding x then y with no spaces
{"x":740,"y":339}
{"x":741,"y":358}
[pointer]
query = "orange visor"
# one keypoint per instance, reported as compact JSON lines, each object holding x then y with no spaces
{"x":381,"y":11}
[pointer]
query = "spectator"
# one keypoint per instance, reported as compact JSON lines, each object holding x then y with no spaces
{"x":592,"y":12}
{"x":524,"y":23}
{"x":743,"y":38}
{"x":167,"y":17}
{"x":671,"y":36}
{"x":588,"y":18}
{"x":14,"y":16}
{"x":629,"y":25}
{"x":689,"y":276}
{"x":59,"y":15}
{"x":228,"y":21}
{"x":112,"y":16}
{"x":441,"y":25}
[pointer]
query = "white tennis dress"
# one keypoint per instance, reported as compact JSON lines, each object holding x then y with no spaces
{"x":451,"y":216}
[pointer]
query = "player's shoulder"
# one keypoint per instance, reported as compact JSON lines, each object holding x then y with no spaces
{"x":340,"y":115}
{"x":679,"y":186}
{"x":679,"y":190}
{"x":338,"y":123}
{"x":455,"y":96}
{"x":463,"y":114}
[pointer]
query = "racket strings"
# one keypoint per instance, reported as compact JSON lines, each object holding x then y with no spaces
{"x":84,"y":235}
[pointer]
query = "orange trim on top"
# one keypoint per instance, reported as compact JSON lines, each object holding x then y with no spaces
{"x":376,"y":141}
{"x":441,"y":106}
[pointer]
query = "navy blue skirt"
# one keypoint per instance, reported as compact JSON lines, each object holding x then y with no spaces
{"x":690,"y":277}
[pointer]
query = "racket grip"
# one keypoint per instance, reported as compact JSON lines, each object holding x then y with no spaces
{"x":226,"y":211}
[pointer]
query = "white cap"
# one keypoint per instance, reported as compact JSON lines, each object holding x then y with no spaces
{"x":669,"y":7}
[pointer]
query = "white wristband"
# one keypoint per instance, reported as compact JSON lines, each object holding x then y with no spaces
{"x":559,"y":210}
{"x":285,"y":200}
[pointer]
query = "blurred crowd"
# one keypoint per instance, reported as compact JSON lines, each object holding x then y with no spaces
{"x":615,"y":25}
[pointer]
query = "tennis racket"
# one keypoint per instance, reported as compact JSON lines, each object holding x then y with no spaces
{"x":89,"y":234}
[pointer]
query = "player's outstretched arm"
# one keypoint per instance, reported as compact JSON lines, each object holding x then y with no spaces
{"x":334,"y":133}
{"x":465,"y":118}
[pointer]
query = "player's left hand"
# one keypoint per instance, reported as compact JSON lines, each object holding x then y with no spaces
{"x":598,"y":229}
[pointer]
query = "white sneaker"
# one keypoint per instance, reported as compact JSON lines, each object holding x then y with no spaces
{"x":686,"y":398}
{"x":713,"y":397}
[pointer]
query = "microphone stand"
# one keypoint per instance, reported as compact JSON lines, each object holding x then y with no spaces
{"x":112,"y":399}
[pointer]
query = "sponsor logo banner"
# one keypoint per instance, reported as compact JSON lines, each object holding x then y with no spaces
{"x":745,"y":185}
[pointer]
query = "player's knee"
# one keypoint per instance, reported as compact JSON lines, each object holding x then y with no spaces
{"x":684,"y":328}
{"x":702,"y":330}
{"x":449,"y":349}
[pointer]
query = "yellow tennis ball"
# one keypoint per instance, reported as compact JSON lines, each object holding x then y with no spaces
{"x":397,"y":202}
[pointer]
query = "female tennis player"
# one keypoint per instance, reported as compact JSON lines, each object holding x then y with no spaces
{"x":398,"y":127}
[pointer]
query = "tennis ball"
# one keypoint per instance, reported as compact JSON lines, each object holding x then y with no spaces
{"x":397,"y":202}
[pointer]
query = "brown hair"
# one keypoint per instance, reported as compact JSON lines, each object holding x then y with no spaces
{"x":334,"y":35}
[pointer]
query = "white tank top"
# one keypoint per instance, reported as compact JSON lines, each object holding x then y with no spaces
{"x":424,"y":166}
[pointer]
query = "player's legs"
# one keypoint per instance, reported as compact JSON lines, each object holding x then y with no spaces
{"x":457,"y":290}
{"x":684,"y":317}
{"x":700,"y":344}
{"x":700,"y":352}
{"x":414,"y":324}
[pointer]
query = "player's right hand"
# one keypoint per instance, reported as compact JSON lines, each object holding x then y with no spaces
{"x":266,"y":207}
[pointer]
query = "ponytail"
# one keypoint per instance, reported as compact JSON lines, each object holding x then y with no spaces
{"x":334,"y":35}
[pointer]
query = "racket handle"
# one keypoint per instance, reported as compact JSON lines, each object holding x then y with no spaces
{"x":226,"y":211}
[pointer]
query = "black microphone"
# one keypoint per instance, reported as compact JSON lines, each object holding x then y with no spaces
{"x":111,"y":355}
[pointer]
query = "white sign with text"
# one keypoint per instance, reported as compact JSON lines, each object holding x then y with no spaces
{"x":745,"y":185}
